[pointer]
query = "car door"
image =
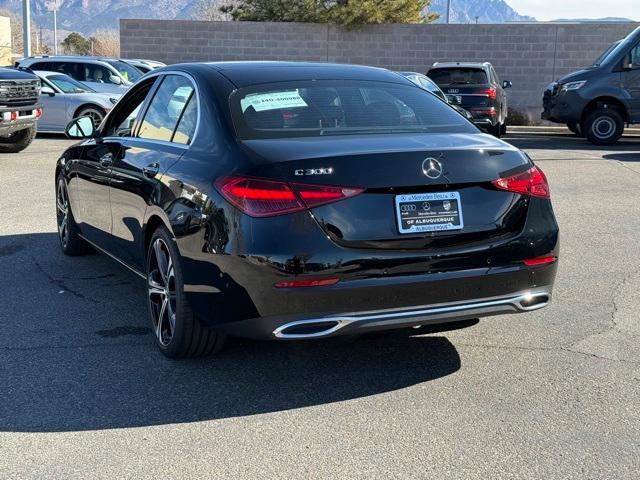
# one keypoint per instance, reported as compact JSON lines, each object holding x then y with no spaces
{"x":94,"y":169}
{"x":631,"y":82}
{"x":54,"y":109}
{"x":160,"y":139}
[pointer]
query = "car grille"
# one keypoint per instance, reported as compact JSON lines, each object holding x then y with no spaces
{"x":19,"y":93}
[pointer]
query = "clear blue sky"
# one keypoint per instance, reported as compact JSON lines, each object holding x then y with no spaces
{"x":553,"y":9}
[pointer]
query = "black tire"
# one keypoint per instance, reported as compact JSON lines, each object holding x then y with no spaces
{"x":68,"y":232}
{"x":575,"y":128}
{"x":17,"y":141}
{"x":96,"y":113}
{"x":503,"y":127}
{"x":187,"y":337}
{"x":495,"y":130}
{"x":603,"y":126}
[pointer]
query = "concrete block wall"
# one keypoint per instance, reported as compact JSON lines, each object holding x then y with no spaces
{"x":530,"y":55}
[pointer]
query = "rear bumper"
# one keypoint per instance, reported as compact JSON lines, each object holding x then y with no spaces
{"x":332,"y":325}
{"x":355,"y":306}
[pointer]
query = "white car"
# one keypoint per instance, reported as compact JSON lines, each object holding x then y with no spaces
{"x":64,"y":99}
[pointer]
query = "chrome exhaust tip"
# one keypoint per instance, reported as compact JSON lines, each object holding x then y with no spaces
{"x":309,"y":328}
{"x":533,"y":301}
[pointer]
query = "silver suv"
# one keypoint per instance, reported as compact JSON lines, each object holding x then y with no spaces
{"x":106,"y":75}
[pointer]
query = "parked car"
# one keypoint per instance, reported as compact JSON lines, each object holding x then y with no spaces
{"x":598,"y":101}
{"x":430,"y":86}
{"x":476,"y":88}
{"x":144,"y":66}
{"x":19,"y":109}
{"x":294,"y":201}
{"x":105,"y":75}
{"x":64,"y":99}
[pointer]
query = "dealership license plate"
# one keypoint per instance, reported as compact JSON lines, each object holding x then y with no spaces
{"x":429,"y":212}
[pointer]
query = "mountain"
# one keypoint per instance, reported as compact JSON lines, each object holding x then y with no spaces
{"x":86,"y":16}
{"x":595,"y":20}
{"x":486,"y":11}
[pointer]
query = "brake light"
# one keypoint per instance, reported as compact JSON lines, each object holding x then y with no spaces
{"x":259,"y":197}
{"x":38,"y":112}
{"x":13,"y":116}
{"x":492,"y":93}
{"x":533,"y":262}
{"x":532,"y":182}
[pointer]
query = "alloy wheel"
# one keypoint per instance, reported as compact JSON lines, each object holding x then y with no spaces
{"x":161,"y":287}
{"x":62,"y":212}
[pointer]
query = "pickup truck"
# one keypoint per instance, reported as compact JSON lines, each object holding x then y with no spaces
{"x":19,"y":109}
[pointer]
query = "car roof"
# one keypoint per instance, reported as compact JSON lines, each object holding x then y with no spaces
{"x":77,"y":58}
{"x":251,"y":73}
{"x":482,"y":65}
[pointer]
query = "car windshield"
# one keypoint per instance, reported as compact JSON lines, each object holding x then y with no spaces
{"x":128,"y":72}
{"x":458,"y":76}
{"x":67,"y":84}
{"x":339,"y":107}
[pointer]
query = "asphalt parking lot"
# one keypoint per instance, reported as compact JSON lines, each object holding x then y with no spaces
{"x":554,"y":394}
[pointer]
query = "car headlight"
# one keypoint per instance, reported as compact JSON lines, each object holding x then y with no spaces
{"x":573,"y":85}
{"x":113,"y":100}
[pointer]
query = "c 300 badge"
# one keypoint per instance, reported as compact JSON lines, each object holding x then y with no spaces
{"x":304,"y":172}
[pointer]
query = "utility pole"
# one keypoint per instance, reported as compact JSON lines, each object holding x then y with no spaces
{"x":54,"y":6}
{"x":448,"y":11}
{"x":26,"y":28}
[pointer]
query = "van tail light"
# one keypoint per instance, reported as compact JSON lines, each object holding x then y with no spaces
{"x":492,"y":93}
{"x":258,"y":197}
{"x":532,"y":182}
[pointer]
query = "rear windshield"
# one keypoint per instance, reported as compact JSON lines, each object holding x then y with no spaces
{"x":337,"y":107}
{"x":458,"y":76}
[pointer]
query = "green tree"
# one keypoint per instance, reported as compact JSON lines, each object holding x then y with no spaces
{"x":76,"y":44}
{"x":341,"y":12}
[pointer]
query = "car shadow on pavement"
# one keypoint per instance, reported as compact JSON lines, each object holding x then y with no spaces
{"x":624,"y":157}
{"x":77,"y":354}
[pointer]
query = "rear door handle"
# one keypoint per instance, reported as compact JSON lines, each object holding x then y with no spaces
{"x":106,"y":160}
{"x":151,"y":170}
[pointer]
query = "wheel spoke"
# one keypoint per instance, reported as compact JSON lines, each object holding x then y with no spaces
{"x":161,"y":260}
{"x":163,"y":309}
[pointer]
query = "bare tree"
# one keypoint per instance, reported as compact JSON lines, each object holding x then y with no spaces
{"x":106,"y":43}
{"x":211,"y":10}
{"x":38,"y":46}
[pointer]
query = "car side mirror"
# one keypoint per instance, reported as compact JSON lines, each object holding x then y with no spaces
{"x":45,"y":90}
{"x":81,"y":127}
{"x":115,"y":80}
{"x":507,"y":84}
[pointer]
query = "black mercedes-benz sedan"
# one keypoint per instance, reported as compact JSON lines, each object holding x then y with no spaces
{"x":298,"y":200}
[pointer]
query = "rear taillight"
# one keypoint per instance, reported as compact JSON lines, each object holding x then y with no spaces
{"x":492,"y":93}
{"x":537,"y":261}
{"x":259,"y":197}
{"x":532,"y":182}
{"x":483,"y":111}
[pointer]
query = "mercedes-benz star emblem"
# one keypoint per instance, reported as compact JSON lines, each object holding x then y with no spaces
{"x":432,"y":168}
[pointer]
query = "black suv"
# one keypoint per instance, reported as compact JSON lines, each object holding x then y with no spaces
{"x":19,"y":109}
{"x":599,"y":100}
{"x":476,"y":88}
